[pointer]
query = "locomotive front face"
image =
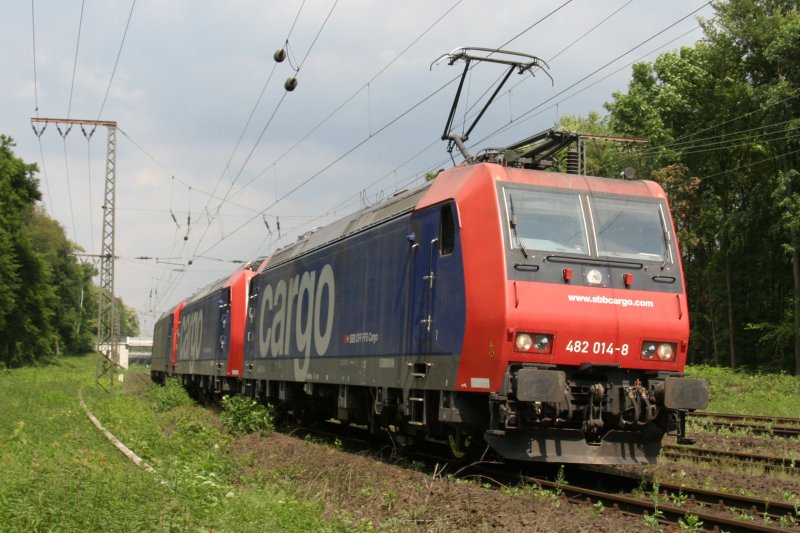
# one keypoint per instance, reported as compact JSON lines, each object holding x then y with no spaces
{"x":595,"y":279}
{"x":596,"y":323}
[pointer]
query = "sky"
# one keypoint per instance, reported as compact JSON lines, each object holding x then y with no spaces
{"x":216,"y":162}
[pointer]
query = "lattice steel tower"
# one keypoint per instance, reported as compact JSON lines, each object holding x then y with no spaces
{"x":107,"y":315}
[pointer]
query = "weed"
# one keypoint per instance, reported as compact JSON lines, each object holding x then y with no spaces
{"x":170,"y":395}
{"x":651,"y":520}
{"x":245,"y":415}
{"x":389,"y":498}
{"x":561,"y":480}
{"x":690,"y":523}
{"x":655,"y":494}
{"x":598,"y":508}
{"x":679,"y":499}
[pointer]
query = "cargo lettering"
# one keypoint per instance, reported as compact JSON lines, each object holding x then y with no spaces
{"x":291,"y":317}
{"x":190,"y":335}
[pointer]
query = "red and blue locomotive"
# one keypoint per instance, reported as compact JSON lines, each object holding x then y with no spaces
{"x":542,"y":313}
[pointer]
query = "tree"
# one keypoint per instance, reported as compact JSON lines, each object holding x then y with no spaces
{"x":48,"y":303}
{"x":726,"y":110}
{"x":28,"y":304}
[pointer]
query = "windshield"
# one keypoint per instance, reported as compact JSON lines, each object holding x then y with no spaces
{"x":629,"y":229}
{"x":547,"y":221}
{"x":624,"y":228}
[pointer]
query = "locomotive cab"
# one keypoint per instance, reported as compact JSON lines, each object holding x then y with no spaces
{"x":596,"y":322}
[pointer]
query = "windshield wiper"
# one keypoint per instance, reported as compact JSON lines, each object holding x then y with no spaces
{"x":665,"y":236}
{"x":513,"y":223}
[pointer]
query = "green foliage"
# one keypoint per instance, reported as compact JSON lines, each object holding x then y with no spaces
{"x":57,"y":472}
{"x":651,"y":520}
{"x":691,"y":524}
{"x":170,"y":395}
{"x":598,"y":508}
{"x":772,"y":394}
{"x":47,"y":299}
{"x":722,"y":120}
{"x":245,"y":415}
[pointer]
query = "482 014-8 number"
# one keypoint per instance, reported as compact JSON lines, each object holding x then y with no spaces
{"x":597,"y":347}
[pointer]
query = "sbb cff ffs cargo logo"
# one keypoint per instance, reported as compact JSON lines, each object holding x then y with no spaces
{"x":291,"y":317}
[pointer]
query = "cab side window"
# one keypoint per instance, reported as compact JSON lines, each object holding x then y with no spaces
{"x":447,"y":230}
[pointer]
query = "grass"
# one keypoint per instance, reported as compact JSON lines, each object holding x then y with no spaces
{"x":749,"y":393}
{"x":58,"y":473}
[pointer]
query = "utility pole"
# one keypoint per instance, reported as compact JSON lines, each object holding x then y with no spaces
{"x":107,"y":317}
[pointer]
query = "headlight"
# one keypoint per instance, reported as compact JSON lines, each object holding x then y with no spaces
{"x":524,"y":342}
{"x":534,"y":342}
{"x":594,"y":277}
{"x":542,"y":343}
{"x":663,"y":351}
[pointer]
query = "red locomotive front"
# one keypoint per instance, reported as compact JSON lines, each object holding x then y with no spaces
{"x":577,"y":322}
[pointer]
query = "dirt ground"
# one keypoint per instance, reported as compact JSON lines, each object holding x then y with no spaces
{"x":388,"y":497}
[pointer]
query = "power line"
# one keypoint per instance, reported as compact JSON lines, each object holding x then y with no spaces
{"x":176,"y":178}
{"x":370,"y":136}
{"x":35,"y":80}
{"x":350,"y":98}
{"x":116,"y":62}
{"x":332,"y":163}
{"x":69,"y":187}
{"x":75,"y":63}
{"x":598,"y":70}
{"x":255,"y":107}
{"x":36,"y":108}
{"x":264,"y":130}
{"x":689,"y":135}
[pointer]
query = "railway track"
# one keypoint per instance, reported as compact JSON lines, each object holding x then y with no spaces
{"x":716,"y":510}
{"x":766,"y":462}
{"x":755,"y":424}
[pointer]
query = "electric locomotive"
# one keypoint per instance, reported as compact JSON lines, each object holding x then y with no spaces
{"x":201,"y":340}
{"x":540,"y":313}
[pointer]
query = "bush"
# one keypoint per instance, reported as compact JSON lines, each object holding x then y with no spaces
{"x":170,"y":395}
{"x":245,"y":415}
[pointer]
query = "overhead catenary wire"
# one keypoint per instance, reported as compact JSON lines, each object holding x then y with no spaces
{"x":436,"y":141}
{"x":161,"y":295}
{"x":270,"y":167}
{"x":433,"y":143}
{"x":69,"y":185}
{"x":350,"y":98}
{"x":116,"y":61}
{"x":264,"y":130}
{"x":603,"y":67}
{"x":177,"y":178}
{"x":36,"y":109}
{"x":253,"y":110}
{"x":75,"y":63}
{"x":383,"y":128}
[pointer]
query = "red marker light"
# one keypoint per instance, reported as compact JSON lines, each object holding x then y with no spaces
{"x":628,"y":279}
{"x":567,"y":273}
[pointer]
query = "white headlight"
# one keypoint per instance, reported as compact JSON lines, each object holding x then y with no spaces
{"x":594,"y":277}
{"x":524,"y":342}
{"x":665,"y":352}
